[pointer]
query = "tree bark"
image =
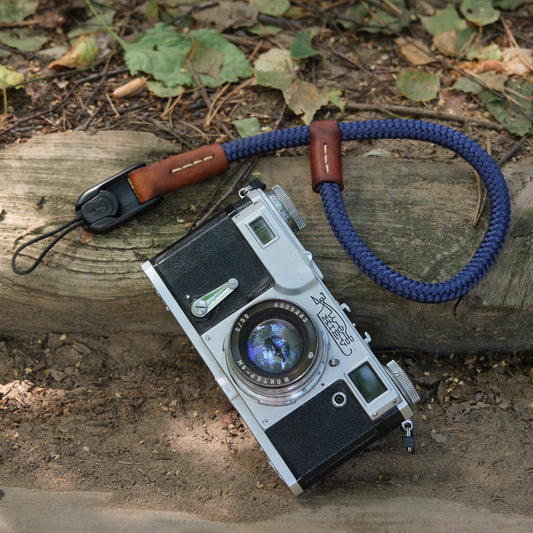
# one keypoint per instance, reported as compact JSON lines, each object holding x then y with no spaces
{"x":417,"y":216}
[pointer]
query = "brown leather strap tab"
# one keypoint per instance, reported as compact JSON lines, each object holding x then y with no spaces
{"x":177,"y":171}
{"x":326,"y":156}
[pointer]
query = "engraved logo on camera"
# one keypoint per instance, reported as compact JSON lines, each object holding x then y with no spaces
{"x":335,"y":324}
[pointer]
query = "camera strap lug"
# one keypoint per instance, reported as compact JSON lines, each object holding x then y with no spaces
{"x":408,"y":439}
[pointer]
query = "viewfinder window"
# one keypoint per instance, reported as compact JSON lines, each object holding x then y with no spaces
{"x":367,"y":382}
{"x":262,"y":231}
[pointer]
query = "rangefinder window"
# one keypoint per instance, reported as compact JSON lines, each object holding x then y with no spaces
{"x":262,"y":231}
{"x":367,"y":382}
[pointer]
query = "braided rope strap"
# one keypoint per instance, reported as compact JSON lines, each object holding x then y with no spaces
{"x":361,"y":255}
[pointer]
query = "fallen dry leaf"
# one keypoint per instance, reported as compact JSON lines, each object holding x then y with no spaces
{"x":490,"y":64}
{"x":446,"y":42}
{"x":453,"y":101}
{"x":85,"y":237}
{"x":82,"y":54}
{"x":415,"y":51}
{"x":517,"y":61}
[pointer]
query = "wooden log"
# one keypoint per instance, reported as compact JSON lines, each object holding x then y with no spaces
{"x":415,"y":215}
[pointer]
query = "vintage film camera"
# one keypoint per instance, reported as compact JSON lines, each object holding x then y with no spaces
{"x":284,"y":351}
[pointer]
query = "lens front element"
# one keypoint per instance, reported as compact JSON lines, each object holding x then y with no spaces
{"x":274,"y":345}
{"x":274,"y":351}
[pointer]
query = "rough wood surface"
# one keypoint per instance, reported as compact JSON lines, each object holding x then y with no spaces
{"x":416,"y":215}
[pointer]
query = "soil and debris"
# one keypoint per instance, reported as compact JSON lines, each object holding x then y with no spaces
{"x":142,"y":417}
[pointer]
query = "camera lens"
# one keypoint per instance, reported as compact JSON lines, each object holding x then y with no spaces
{"x":274,"y":345}
{"x":274,"y":352}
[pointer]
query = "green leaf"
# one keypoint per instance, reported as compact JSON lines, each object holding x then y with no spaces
{"x":492,"y":51}
{"x":453,"y":42}
{"x":389,"y":21}
{"x":16,"y":10}
{"x":305,"y":99}
{"x":467,"y":85}
{"x":514,"y":117}
{"x":446,"y":20}
{"x":335,"y":97}
{"x":510,"y":5}
{"x":248,"y":126}
{"x":301,"y":47}
{"x":264,"y":29}
{"x":161,"y":52}
{"x":479,"y":12}
{"x":234,"y":66}
{"x":10,"y":77}
{"x":23,"y":40}
{"x":164,"y":91}
{"x":487,"y":80}
{"x":93,"y":24}
{"x":207,"y":62}
{"x":418,"y":86}
{"x":275,"y":69}
{"x":274,"y":8}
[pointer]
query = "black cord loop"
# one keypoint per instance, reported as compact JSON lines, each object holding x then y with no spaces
{"x":62,"y":230}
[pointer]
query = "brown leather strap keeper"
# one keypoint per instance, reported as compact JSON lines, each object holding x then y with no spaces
{"x":177,"y":171}
{"x":325,"y":153}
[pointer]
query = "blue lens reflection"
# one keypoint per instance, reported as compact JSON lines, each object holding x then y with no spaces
{"x":274,"y":346}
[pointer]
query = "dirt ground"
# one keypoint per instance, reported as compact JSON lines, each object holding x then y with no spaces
{"x":141,"y":417}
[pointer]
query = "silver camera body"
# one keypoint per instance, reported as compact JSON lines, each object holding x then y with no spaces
{"x":283,"y":350}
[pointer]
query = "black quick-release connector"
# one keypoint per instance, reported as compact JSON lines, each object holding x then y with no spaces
{"x":111,"y":203}
{"x":99,"y":209}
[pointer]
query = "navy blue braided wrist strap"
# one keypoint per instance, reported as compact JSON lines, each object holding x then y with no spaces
{"x":372,"y":266}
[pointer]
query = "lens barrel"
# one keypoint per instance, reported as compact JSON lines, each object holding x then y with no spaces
{"x":274,"y":351}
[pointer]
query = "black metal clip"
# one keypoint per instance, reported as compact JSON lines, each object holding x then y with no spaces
{"x":111,"y":203}
{"x":98,"y":210}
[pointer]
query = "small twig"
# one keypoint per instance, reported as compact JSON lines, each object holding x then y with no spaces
{"x":406,"y":110}
{"x":241,"y":177}
{"x":513,"y":151}
{"x":199,"y":85}
{"x":91,"y":118}
{"x":60,"y":102}
{"x":360,"y":67}
{"x":173,"y":134}
{"x":218,"y":95}
{"x":168,"y":111}
{"x":93,"y":93}
{"x":20,"y":52}
{"x":521,"y":56}
{"x":4,"y":91}
{"x":242,"y":174}
{"x":213,"y":112}
{"x":112,"y":105}
{"x":192,"y":126}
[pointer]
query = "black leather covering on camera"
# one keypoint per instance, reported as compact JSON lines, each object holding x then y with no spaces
{"x":318,"y":436}
{"x":206,"y":259}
